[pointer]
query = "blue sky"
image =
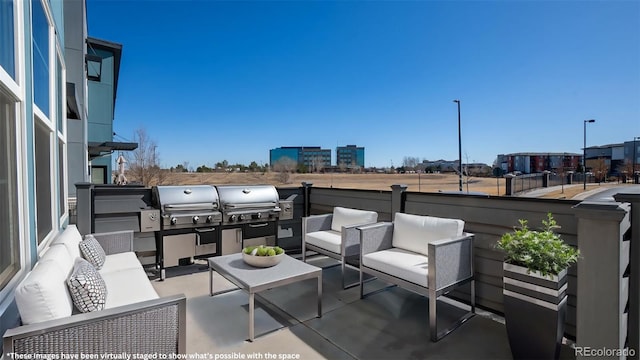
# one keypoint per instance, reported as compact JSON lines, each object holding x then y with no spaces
{"x":213,"y":80}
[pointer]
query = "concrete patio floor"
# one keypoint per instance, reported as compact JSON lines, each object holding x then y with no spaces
{"x":390,"y":324}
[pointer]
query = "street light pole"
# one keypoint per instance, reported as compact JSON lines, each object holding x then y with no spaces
{"x":633,"y":169}
{"x":584,"y":153}
{"x":459,"y":148}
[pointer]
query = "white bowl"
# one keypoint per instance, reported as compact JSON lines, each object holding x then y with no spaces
{"x":262,"y":261}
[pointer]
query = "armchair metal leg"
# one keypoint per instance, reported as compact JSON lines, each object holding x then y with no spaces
{"x":343,"y":269}
{"x":304,"y":252}
{"x":433,"y":318}
{"x":361,"y":285}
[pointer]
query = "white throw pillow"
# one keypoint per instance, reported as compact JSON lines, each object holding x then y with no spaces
{"x":87,"y":288}
{"x":345,"y":217}
{"x":415,"y":232}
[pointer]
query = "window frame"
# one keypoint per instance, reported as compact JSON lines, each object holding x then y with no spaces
{"x":14,"y":87}
{"x":61,"y":170}
{"x":40,"y":118}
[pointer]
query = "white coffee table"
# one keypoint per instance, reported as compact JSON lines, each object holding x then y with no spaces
{"x":254,"y":279}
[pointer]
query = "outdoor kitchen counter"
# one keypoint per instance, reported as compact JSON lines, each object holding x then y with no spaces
{"x":254,"y":279}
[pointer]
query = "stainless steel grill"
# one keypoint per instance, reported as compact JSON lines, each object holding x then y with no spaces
{"x":199,"y":221}
{"x":247,"y":204}
{"x":190,"y":220}
{"x":187,"y":206}
{"x":250,"y":215}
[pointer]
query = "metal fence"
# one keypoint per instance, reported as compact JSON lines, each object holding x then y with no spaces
{"x":526,"y":182}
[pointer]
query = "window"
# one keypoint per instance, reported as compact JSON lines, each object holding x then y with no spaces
{"x":9,"y":234}
{"x":43,"y":180}
{"x":7,"y":40}
{"x":98,"y":174}
{"x":41,"y":30}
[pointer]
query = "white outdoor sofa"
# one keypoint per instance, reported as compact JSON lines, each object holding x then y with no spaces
{"x":335,"y":235}
{"x":423,"y":254}
{"x":134,"y":320}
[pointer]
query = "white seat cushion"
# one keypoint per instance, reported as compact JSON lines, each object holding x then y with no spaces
{"x":120,"y":262}
{"x":403,"y":264}
{"x":415,"y":232}
{"x":329,"y":240}
{"x":345,"y":217}
{"x":43,"y":295}
{"x":70,"y":238}
{"x":127,"y":287}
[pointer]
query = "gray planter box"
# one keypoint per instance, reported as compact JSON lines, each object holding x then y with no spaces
{"x":535,"y":310}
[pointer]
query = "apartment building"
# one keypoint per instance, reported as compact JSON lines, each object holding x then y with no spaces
{"x":532,"y":162}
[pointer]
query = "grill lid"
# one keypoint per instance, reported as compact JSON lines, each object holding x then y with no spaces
{"x":235,"y":197}
{"x":186,"y":198}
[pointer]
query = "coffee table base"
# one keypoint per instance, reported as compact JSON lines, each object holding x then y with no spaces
{"x":240,"y":275}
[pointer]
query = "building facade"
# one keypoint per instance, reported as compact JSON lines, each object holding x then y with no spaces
{"x":350,"y":156}
{"x":528,"y":163}
{"x":44,"y":131}
{"x":312,"y":158}
{"x":33,"y":129}
{"x":103,"y":69}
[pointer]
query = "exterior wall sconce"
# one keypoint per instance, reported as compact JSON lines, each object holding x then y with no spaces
{"x":94,"y":67}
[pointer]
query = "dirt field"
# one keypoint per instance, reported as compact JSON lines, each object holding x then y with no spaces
{"x":415,"y":182}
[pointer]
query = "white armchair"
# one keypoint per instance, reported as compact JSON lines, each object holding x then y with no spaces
{"x":335,"y":235}
{"x":424,"y":254}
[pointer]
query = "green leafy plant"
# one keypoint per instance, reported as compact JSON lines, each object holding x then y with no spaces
{"x":539,"y":251}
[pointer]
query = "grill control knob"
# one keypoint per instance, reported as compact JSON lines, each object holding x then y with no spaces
{"x":233,"y":218}
{"x":259,"y":216}
{"x":173,"y":220}
{"x":209,"y":219}
{"x":242,"y":217}
{"x":195,"y":219}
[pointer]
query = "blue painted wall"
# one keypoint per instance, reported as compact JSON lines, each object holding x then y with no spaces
{"x":101,"y":108}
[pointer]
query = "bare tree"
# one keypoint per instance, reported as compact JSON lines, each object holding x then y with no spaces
{"x":410,"y":162}
{"x":600,"y":169}
{"x":285,"y":166}
{"x":317,"y":164}
{"x":561,"y":170}
{"x":354,"y":166}
{"x":626,"y":169}
{"x":144,"y":161}
{"x":342,"y":166}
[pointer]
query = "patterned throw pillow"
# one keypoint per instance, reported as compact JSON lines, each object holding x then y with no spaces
{"x":92,"y":251}
{"x":88,"y":289}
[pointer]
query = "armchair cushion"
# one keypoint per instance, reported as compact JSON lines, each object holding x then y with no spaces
{"x":43,"y":294}
{"x":415,"y":232}
{"x":329,"y":240}
{"x":345,"y":217}
{"x":70,"y":238}
{"x":400,"y":263}
{"x":60,"y":256}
